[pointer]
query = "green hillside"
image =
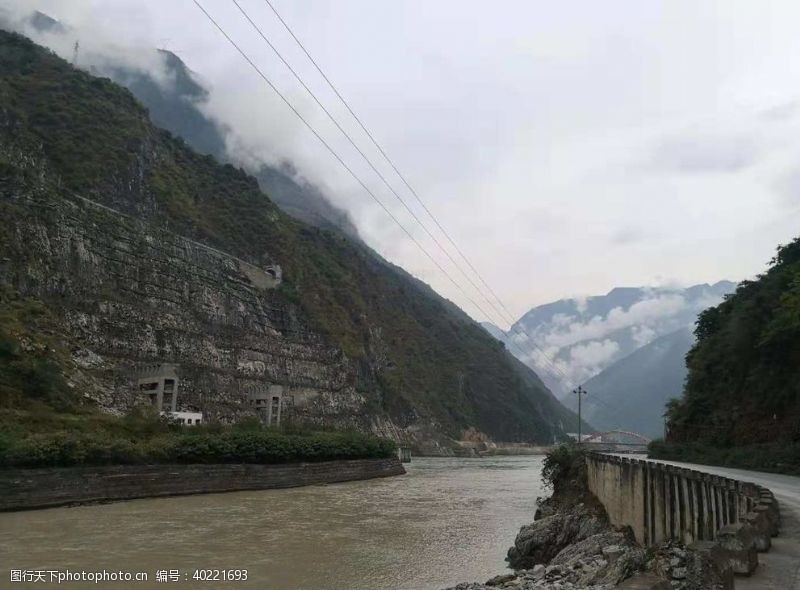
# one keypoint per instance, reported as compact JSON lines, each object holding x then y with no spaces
{"x":743,"y":384}
{"x":64,"y":131}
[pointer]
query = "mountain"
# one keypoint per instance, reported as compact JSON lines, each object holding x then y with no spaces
{"x":583,"y":337}
{"x":177,"y":106}
{"x":494,"y":330}
{"x":144,"y":251}
{"x":743,"y":383}
{"x":632,"y":393}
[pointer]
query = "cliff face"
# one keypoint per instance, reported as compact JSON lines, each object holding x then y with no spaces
{"x":132,"y":293}
{"x":149,"y":252}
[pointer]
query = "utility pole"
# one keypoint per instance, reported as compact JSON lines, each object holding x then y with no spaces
{"x":580,"y":392}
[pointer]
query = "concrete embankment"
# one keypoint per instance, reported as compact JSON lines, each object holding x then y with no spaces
{"x":728,"y":520}
{"x":699,"y":530}
{"x":24,"y":489}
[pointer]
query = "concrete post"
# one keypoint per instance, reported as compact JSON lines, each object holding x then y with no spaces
{"x":669,"y":515}
{"x":702,"y":504}
{"x":174,"y":401}
{"x":160,"y":395}
{"x":687,"y":527}
{"x":659,"y":506}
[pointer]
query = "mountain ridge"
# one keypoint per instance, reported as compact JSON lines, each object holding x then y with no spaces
{"x":350,"y":338}
{"x":584,"y":336}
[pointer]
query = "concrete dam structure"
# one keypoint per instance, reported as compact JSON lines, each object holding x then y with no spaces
{"x":731,"y":520}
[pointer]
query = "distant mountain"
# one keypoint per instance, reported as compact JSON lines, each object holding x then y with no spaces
{"x":632,"y":393}
{"x":582,"y":337}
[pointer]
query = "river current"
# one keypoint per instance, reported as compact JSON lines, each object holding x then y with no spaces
{"x":446,"y":521}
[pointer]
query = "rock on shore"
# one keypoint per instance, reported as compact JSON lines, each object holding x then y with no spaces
{"x":598,"y":562}
{"x":542,"y":540}
{"x":569,"y":548}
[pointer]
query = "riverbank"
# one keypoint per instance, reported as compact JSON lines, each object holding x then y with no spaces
{"x":447,"y":520}
{"x":571,"y":543}
{"x":26,"y":489}
{"x":582,"y":540}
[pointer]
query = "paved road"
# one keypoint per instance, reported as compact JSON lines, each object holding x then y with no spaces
{"x":779,"y":569}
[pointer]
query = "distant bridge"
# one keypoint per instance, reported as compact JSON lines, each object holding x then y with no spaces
{"x":619,"y":441}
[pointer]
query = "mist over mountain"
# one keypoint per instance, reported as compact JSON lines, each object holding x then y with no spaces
{"x":632,"y":393}
{"x":569,"y":341}
{"x":177,"y":100}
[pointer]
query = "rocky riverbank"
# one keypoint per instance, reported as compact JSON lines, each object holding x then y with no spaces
{"x":572,"y":545}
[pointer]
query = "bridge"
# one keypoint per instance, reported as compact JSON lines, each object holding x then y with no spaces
{"x":617,"y":441}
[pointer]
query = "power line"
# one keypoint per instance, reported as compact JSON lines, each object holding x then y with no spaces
{"x":377,"y":172}
{"x":458,"y":286}
{"x":508,"y":316}
{"x":338,"y":157}
{"x":391,"y":163}
{"x":369,"y":162}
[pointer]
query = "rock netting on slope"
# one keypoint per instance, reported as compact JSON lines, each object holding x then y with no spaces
{"x":132,"y":294}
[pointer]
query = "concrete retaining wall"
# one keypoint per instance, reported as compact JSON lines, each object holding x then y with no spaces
{"x":661,"y":502}
{"x":23,"y":489}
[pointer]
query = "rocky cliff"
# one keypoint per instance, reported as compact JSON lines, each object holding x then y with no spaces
{"x":132,"y":292}
{"x":148,"y":252}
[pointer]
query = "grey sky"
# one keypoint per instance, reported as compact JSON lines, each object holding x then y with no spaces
{"x":569,"y":147}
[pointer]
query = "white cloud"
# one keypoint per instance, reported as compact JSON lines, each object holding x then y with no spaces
{"x":592,"y":356}
{"x":523,"y":129}
{"x":644,"y":334}
{"x":642,"y":312}
{"x":570,"y":349}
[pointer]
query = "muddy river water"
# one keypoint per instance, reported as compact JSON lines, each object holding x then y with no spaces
{"x":446,"y":521}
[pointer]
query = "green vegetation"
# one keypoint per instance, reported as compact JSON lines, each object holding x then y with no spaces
{"x":43,"y":423}
{"x":418,"y":356}
{"x":46,"y":439}
{"x":773,"y":457}
{"x":566,"y":463}
{"x":32,"y":356}
{"x":741,"y":403}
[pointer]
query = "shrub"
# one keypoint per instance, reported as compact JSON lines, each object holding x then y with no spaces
{"x":141,"y":438}
{"x":564,"y":463}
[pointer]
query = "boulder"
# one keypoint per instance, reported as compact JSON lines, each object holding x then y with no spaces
{"x":544,"y":539}
{"x":708,"y":567}
{"x":739,"y":541}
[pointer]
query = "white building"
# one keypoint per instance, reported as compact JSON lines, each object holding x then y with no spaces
{"x":187,"y":418}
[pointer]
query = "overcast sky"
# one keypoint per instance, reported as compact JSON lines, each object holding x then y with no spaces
{"x":569,"y":147}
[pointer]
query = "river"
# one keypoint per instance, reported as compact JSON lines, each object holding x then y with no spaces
{"x":446,"y":521}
